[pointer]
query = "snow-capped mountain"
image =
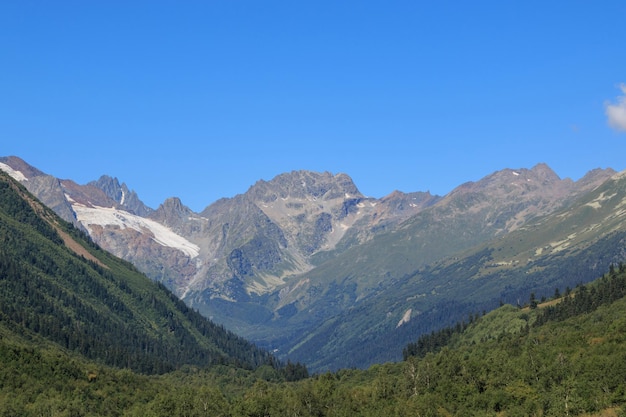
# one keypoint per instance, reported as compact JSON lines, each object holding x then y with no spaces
{"x":92,"y":217}
{"x":248,"y":244}
{"x":278,"y":261}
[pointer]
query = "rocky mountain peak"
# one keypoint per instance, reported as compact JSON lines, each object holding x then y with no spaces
{"x":400,"y":201}
{"x":304,"y":184}
{"x":595,"y":177}
{"x":544,"y":173}
{"x":127,"y":199}
{"x":171,"y":212}
{"x":111,"y":187}
{"x":88,"y":195}
{"x":19,"y":165}
{"x":514,"y":181}
{"x":506,"y":199}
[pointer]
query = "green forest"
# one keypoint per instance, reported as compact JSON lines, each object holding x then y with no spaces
{"x":94,"y":337}
{"x":565,"y":358}
{"x":101,"y":308}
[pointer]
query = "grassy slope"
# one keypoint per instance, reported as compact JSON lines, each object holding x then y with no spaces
{"x":564,"y":249}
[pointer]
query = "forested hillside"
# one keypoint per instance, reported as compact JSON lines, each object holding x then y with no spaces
{"x":56,"y":284}
{"x":566,"y":356}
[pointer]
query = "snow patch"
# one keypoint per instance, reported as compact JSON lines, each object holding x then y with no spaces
{"x":406,"y":318}
{"x":104,"y":216}
{"x":516,"y":173}
{"x":17,"y":175}
{"x":123,"y":197}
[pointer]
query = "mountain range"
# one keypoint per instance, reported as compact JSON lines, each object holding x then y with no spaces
{"x":83,"y":333}
{"x":57,"y":286}
{"x":307,"y":266}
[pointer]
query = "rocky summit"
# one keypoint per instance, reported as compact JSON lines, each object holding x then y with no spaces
{"x":279,"y":262}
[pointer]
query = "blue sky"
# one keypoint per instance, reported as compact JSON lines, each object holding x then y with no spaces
{"x":200,"y":99}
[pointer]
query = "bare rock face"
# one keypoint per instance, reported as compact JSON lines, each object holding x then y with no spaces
{"x":46,"y":187}
{"x":313,"y":210}
{"x":172,"y":213}
{"x":266,"y":255}
{"x":257,"y":239}
{"x":508,"y":198}
{"x":127,"y":199}
{"x":284,"y":227}
{"x":50,"y":191}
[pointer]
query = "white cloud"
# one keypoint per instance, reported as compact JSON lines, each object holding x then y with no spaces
{"x":616,"y":112}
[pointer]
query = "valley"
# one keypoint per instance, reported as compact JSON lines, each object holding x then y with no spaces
{"x":307,"y":267}
{"x":85,"y":333}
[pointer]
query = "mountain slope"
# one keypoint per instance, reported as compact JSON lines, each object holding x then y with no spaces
{"x":55,"y":283}
{"x":237,"y":247}
{"x":562,"y":358}
{"x":508,"y":362}
{"x":355,"y":297}
{"x":565,"y":248}
{"x":307,"y":265}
